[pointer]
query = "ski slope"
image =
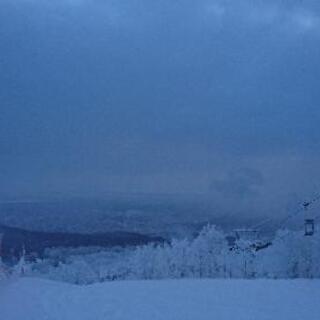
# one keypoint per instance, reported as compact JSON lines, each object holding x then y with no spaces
{"x":35,"y":299}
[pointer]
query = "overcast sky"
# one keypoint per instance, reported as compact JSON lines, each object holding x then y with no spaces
{"x":207,"y":96}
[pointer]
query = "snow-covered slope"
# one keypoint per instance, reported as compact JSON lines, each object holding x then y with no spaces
{"x":35,"y":299}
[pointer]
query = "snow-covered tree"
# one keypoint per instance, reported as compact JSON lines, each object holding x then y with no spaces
{"x":3,"y":273}
{"x":21,"y":268}
{"x":291,"y":255}
{"x":207,"y":253}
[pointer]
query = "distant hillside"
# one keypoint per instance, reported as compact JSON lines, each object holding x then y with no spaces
{"x":161,"y":215}
{"x":34,"y":242}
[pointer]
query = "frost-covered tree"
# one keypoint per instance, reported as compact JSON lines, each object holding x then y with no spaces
{"x":3,"y":274}
{"x":78,"y":272}
{"x":207,"y":253}
{"x":202,"y":257}
{"x":22,"y":267}
{"x":242,"y":259}
{"x":291,"y":255}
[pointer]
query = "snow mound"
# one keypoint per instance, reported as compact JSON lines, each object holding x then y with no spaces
{"x":36,"y":299}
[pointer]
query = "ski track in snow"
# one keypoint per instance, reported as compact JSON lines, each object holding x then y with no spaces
{"x":37,"y":299}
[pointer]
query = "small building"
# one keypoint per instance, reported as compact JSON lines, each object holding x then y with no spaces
{"x":247,"y":234}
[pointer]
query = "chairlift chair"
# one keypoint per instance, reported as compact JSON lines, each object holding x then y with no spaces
{"x":308,"y":227}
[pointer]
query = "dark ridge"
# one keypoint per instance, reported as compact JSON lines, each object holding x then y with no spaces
{"x":14,"y":240}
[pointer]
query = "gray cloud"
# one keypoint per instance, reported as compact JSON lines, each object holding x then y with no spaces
{"x":239,"y":184}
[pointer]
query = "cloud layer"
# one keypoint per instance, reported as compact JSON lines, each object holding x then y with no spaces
{"x":173,"y":97}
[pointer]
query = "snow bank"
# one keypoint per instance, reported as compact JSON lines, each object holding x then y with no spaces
{"x":36,"y":299}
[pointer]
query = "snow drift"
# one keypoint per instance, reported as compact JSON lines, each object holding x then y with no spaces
{"x":35,"y":299}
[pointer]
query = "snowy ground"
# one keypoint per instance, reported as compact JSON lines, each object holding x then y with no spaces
{"x":36,"y":299}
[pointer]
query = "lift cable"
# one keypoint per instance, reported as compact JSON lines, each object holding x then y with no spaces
{"x":305,"y":205}
{"x":261,"y":224}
